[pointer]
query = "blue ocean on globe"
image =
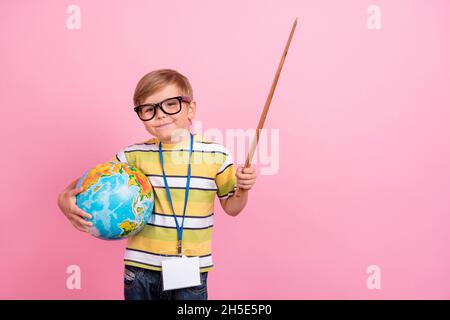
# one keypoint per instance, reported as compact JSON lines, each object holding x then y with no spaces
{"x":119,"y":197}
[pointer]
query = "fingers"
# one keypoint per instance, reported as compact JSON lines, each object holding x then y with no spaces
{"x":245,"y":187}
{"x":246,"y":173}
{"x":250,"y":170}
{"x":80,"y":223}
{"x":73,"y":212}
{"x":80,"y":228}
{"x":75,"y":191}
{"x":245,"y":184}
{"x":74,"y":209}
{"x":77,"y":211}
{"x":248,"y":182}
{"x":246,"y":177}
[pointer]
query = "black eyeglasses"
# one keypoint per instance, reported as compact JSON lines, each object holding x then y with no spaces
{"x":170,"y":106}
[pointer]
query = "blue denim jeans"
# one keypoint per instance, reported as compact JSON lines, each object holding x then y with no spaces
{"x":145,"y":284}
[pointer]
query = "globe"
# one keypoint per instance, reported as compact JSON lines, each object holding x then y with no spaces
{"x":118,"y":196}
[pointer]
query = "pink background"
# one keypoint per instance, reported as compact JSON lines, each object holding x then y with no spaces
{"x":364,"y":126}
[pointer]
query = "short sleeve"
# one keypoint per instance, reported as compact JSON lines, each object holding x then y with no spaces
{"x":226,"y":178}
{"x":121,"y":156}
{"x":125,"y":155}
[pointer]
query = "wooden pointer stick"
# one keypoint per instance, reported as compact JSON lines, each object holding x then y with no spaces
{"x":267,"y":105}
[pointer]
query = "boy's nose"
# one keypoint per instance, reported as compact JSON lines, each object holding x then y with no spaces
{"x":159,"y":113}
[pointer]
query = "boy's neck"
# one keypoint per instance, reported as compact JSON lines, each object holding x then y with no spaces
{"x":176,"y":138}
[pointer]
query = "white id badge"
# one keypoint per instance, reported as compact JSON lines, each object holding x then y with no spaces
{"x":181,"y":272}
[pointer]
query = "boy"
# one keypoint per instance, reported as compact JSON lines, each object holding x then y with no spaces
{"x":164,"y":102}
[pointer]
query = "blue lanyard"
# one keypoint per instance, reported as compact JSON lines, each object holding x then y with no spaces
{"x":186,"y":195}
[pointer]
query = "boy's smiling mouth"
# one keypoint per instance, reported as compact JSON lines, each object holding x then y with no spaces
{"x":163,"y":125}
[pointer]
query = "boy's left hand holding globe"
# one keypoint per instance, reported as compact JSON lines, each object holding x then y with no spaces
{"x":67,"y":204}
{"x":116,"y":197}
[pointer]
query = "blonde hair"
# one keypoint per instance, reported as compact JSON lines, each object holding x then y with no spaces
{"x":158,"y":79}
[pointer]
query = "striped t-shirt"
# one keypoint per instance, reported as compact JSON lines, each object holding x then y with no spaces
{"x":212,"y":173}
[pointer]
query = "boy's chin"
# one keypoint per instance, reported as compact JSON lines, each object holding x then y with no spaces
{"x":170,"y":136}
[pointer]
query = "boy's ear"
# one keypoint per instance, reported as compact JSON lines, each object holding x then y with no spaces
{"x":191,"y":110}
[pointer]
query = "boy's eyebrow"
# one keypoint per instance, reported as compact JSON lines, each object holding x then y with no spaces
{"x":155,"y":103}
